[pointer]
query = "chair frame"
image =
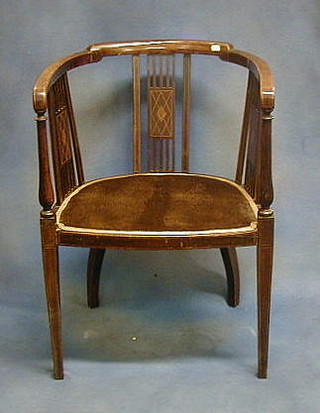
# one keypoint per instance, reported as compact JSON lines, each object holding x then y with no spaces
{"x":253,"y":174}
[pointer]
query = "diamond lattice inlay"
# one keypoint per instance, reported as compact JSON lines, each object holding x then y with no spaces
{"x":161,"y":115}
{"x":64,"y":136}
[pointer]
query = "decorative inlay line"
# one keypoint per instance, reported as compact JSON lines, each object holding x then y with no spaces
{"x":64,"y":132}
{"x":161,"y":120}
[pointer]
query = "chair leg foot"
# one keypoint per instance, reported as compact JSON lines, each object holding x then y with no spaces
{"x":262,"y":375}
{"x":264,"y":283}
{"x":229,"y":256}
{"x":52,"y":285}
{"x":58,"y":373}
{"x":93,"y":276}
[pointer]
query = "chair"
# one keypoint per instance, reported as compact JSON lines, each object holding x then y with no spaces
{"x":160,"y":206}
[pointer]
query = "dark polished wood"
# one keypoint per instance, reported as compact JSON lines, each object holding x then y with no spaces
{"x":230,"y":260}
{"x":46,"y":193}
{"x":52,"y":286}
{"x":93,"y":276}
{"x":264,"y":281}
{"x":67,"y":163}
{"x":186,"y":112}
{"x":161,"y":205}
{"x":136,"y":114}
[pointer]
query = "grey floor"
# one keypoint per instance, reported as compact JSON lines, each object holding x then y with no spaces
{"x":165,"y":343}
{"x":163,"y":340}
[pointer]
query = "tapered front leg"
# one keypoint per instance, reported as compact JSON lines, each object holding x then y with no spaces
{"x":52,"y":284}
{"x":93,"y":276}
{"x":230,"y":260}
{"x":264,"y":284}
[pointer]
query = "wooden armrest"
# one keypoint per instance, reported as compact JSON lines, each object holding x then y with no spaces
{"x":53,"y":72}
{"x":260,"y":70}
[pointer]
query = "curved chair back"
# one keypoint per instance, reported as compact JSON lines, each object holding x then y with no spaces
{"x":155,"y":138}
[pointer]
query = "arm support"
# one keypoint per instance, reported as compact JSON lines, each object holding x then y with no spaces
{"x":255,"y":146}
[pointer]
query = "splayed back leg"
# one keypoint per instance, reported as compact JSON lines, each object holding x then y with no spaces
{"x":93,"y":276}
{"x":230,"y":260}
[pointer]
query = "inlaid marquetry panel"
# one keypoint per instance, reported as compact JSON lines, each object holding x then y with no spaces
{"x":64,"y":141}
{"x":155,"y":138}
{"x":161,"y":89}
{"x":63,"y":126}
{"x":161,"y":112}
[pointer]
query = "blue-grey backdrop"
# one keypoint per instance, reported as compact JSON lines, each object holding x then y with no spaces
{"x":192,"y":353}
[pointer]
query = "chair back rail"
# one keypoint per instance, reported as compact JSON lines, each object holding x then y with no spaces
{"x":52,"y":95}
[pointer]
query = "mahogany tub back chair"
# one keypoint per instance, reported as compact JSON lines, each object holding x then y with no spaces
{"x":161,"y":205}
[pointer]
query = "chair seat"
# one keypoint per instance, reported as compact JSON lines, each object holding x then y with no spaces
{"x":158,"y":204}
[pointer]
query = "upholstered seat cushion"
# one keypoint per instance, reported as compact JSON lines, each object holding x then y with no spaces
{"x":158,"y":203}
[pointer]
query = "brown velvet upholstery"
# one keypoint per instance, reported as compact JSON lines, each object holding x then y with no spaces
{"x":160,"y":203}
